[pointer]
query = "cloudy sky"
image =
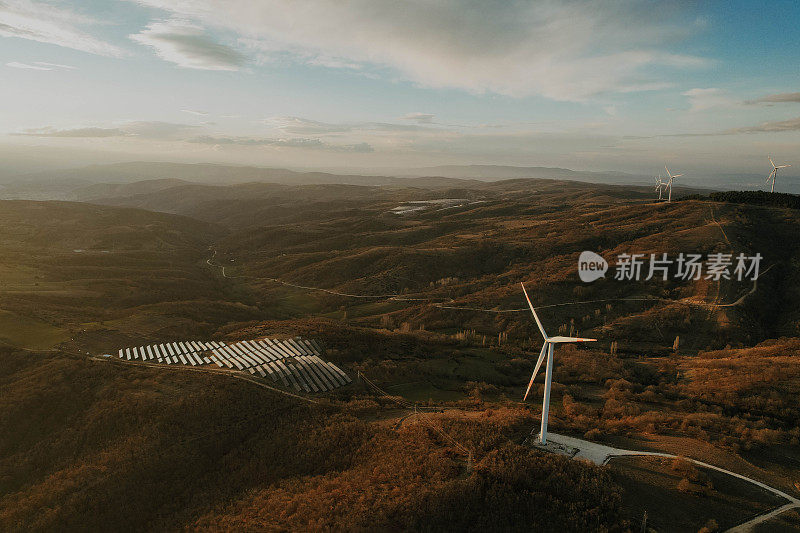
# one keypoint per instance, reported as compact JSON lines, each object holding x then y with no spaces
{"x":596,"y":85}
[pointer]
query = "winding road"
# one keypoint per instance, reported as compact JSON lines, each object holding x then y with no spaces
{"x":601,"y":454}
{"x":442,"y":303}
{"x":597,"y":453}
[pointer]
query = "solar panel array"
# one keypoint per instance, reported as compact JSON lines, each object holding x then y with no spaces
{"x":171,"y":353}
{"x":294,"y":362}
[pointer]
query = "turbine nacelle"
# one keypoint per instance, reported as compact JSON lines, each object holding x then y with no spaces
{"x":671,"y":176}
{"x":774,"y":166}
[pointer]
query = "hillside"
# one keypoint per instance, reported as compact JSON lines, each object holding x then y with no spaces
{"x":106,"y":190}
{"x":210,"y":202}
{"x":88,"y":274}
{"x":172,"y":451}
{"x":475,"y":256}
{"x":501,"y":172}
{"x":427,"y":306}
{"x":126,"y":179}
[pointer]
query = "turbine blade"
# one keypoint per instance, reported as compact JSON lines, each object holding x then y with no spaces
{"x":568,"y":340}
{"x":677,"y":175}
{"x":783,"y":166}
{"x":770,"y":160}
{"x":542,"y":355}
{"x":538,"y":322}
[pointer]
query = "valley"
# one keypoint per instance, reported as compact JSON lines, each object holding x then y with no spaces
{"x":425,"y":305}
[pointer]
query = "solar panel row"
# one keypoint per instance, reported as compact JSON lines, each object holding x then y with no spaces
{"x":294,"y":362}
{"x":310,"y":374}
{"x":188,"y":353}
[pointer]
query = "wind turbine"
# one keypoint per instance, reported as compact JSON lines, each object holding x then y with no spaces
{"x":659,"y":186}
{"x":669,"y":183}
{"x":547,"y":349}
{"x":774,"y":173}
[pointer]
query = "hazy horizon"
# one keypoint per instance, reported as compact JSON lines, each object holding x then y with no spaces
{"x":622,"y":86}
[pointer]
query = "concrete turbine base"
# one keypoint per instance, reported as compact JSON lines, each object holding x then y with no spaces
{"x":555,"y":444}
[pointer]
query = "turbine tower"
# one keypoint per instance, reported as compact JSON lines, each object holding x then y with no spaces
{"x":774,"y":173}
{"x":659,"y":186}
{"x":547,"y":350}
{"x":669,"y":183}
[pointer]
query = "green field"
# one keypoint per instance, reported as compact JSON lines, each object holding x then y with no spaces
{"x":29,"y":333}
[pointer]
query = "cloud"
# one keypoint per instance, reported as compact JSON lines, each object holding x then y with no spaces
{"x":776,"y":99}
{"x":16,"y":64}
{"x":254,"y":141}
{"x":419,"y":118}
{"x":193,"y":112}
{"x":159,"y":130}
{"x":167,"y":131}
{"x":388,"y":126}
{"x":54,"y":65}
{"x":153,"y":130}
{"x":39,"y":65}
{"x":75,"y":132}
{"x":569,"y":50}
{"x":304,"y":126}
{"x":362,"y":148}
{"x":765,"y":127}
{"x":286,"y":143}
{"x":702,"y":99}
{"x":768,"y":127}
{"x":188,"y":46}
{"x":52,"y":24}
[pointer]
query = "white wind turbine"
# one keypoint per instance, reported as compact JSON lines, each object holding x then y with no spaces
{"x":669,"y":183}
{"x":774,"y":173}
{"x":659,"y":186}
{"x":547,"y":349}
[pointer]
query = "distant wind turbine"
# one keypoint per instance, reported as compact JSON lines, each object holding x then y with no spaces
{"x":774,"y":173}
{"x":669,"y":183}
{"x":659,"y":186}
{"x":547,"y":350}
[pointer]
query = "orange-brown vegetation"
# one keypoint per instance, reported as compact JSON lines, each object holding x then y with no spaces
{"x":96,"y":446}
{"x":92,"y":445}
{"x":681,"y":497}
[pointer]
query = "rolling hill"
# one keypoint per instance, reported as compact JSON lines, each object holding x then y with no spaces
{"x":124,"y":179}
{"x":83,"y":274}
{"x":427,"y":306}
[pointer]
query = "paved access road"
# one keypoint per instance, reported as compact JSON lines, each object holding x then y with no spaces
{"x":601,"y":454}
